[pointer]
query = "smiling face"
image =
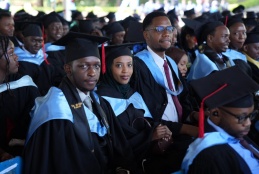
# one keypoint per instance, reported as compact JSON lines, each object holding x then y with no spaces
{"x":219,"y":41}
{"x":54,"y":31}
{"x":182,"y":65}
{"x":122,"y":69}
{"x":6,"y":26}
{"x":159,"y":42}
{"x":84,"y":73}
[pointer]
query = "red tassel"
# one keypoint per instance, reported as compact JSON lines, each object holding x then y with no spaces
{"x":201,"y":120}
{"x":43,"y":46}
{"x":226,"y":21}
{"x":103,"y":60}
{"x":201,"y":110}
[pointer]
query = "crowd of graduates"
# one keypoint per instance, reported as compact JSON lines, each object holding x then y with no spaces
{"x":96,"y":95}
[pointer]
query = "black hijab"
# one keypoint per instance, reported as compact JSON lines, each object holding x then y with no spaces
{"x":108,"y":79}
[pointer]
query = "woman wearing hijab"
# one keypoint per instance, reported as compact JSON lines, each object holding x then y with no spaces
{"x":134,"y":116}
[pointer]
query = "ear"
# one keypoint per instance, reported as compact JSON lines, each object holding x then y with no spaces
{"x":187,"y":37}
{"x":68,"y":69}
{"x":245,"y":48}
{"x":146,"y":36}
{"x":209,"y":38}
{"x":215,"y":116}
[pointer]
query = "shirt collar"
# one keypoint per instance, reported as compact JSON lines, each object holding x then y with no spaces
{"x":223,"y":133}
{"x":83,"y":95}
{"x":156,"y":57}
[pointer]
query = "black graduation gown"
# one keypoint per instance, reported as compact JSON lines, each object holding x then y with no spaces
{"x":57,"y":60}
{"x":60,"y":146}
{"x":255,"y":71}
{"x":15,"y":106}
{"x":152,"y":93}
{"x":217,"y":159}
{"x":40,"y":74}
{"x":137,"y":132}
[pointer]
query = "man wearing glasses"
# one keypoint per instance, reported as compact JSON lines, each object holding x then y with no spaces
{"x":225,"y":148}
{"x":157,"y":79}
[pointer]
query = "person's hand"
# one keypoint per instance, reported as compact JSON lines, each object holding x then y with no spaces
{"x":97,"y":32}
{"x":5,"y":156}
{"x":120,"y":170}
{"x":161,"y":131}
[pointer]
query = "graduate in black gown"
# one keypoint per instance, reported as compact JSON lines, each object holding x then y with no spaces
{"x":137,"y":123}
{"x":56,"y":54}
{"x":17,"y":94}
{"x":152,"y":82}
{"x":32,"y":59}
{"x":225,"y":147}
{"x":72,"y":129}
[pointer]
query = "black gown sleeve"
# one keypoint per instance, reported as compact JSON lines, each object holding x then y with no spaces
{"x":218,"y":159}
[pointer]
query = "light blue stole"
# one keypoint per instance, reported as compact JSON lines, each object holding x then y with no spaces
{"x":27,"y":57}
{"x":55,"y":106}
{"x":202,"y":66}
{"x":156,"y":72}
{"x":233,"y":54}
{"x":24,"y":81}
{"x":120,"y":105}
{"x":50,"y":47}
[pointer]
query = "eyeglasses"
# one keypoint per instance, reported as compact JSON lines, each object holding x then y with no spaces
{"x":162,"y":28}
{"x":241,"y":118}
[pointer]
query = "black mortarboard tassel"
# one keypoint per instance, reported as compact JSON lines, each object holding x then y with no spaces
{"x":79,"y":45}
{"x":230,"y":88}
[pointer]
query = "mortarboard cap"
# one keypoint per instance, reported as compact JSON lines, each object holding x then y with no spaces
{"x":230,"y":87}
{"x":32,"y":29}
{"x":172,"y":15}
{"x":110,"y":15}
{"x":250,"y":19}
{"x":125,"y":22}
{"x":79,"y":45}
{"x":135,"y":32}
{"x":113,"y":28}
{"x":85,"y":26}
{"x":75,"y":14}
{"x":226,"y":13}
{"x":193,"y":24}
{"x":231,"y":20}
{"x":252,"y":37}
{"x":114,"y":51}
{"x":92,"y":16}
{"x":239,"y":9}
{"x":50,"y":18}
{"x":161,"y":9}
{"x":63,"y":20}
{"x":205,"y":29}
{"x":189,"y":13}
{"x":251,"y":14}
